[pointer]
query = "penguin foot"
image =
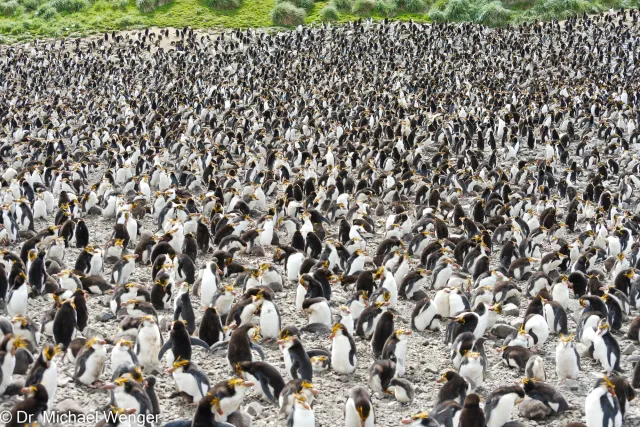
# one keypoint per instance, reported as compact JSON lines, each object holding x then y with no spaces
{"x":97,"y":384}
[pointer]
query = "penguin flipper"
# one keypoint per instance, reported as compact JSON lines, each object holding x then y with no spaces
{"x":218,"y":345}
{"x":258,"y":349}
{"x":165,"y":347}
{"x":264,"y":383}
{"x":199,"y":342}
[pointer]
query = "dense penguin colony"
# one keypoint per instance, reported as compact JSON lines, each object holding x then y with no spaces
{"x":370,"y":224}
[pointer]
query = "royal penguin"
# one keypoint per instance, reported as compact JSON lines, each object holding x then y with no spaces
{"x":296,"y":359}
{"x":535,"y":369}
{"x":230,"y":395}
{"x":268,"y":382}
{"x":358,"y":409}
{"x":395,"y":349}
{"x":291,"y":389}
{"x":546,"y":394}
{"x":301,"y":414}
{"x":500,"y":403}
{"x":471,"y":414}
{"x":567,"y":358}
{"x":383,"y":330}
{"x":425,"y":316}
{"x":606,"y":349}
{"x":211,"y":330}
{"x":90,"y":363}
{"x":343,"y":350}
{"x":32,"y":408}
{"x":473,"y":369}
{"x":515,"y":356}
{"x":123,"y":269}
{"x":601,"y":406}
{"x":381,"y":373}
{"x":180,"y":343}
{"x":424,"y":419}
{"x":189,"y":379}
{"x":148,"y":344}
{"x":455,"y":388}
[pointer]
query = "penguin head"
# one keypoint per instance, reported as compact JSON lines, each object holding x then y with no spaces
{"x":124,"y":344}
{"x":446,"y":377}
{"x":301,"y":401}
{"x":94,"y":342}
{"x":239,"y":384}
{"x":606,"y":384}
{"x":148,"y":321}
{"x":50,"y":351}
{"x":603,"y":327}
{"x":402,"y":334}
{"x":420,"y":419}
{"x":337,"y":330}
{"x":567,"y":340}
{"x":179,"y":365}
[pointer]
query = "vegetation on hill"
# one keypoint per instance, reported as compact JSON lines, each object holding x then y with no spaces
{"x":27,"y":19}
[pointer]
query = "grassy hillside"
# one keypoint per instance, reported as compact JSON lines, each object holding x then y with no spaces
{"x":26,"y":19}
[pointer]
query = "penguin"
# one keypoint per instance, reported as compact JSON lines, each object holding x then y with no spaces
{"x":500,"y":403}
{"x":605,"y":348}
{"x":211,"y":330}
{"x":358,"y":409}
{"x":266,"y":379}
{"x":31,"y":409}
{"x":65,"y":324}
{"x":296,"y":359}
{"x":601,"y":405}
{"x":567,"y":358}
{"x":189,"y":379}
{"x":425,"y":316}
{"x":241,"y":344}
{"x":17,"y":299}
{"x":473,"y":369}
{"x":516,"y":357}
{"x":44,"y":371}
{"x":180,"y":342}
{"x":380,"y":374}
{"x":301,"y":415}
{"x":395,"y":349}
{"x":182,"y":308}
{"x":130,"y":394}
{"x":230,"y":395}
{"x":343,"y":350}
{"x":455,"y":388}
{"x":546,"y":394}
{"x":90,"y":363}
{"x":624,"y":392}
{"x":535,"y":369}
{"x":293,"y":388}
{"x":471,"y":414}
{"x":383,"y":330}
{"x":148,"y":344}
{"x":123,"y":269}
{"x":422,"y":419}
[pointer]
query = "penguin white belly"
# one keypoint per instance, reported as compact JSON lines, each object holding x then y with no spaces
{"x":456,"y":305}
{"x":321,"y":315}
{"x":600,"y":353}
{"x":303,"y":418}
{"x":294,"y":263}
{"x":566,"y":363}
{"x":7,"y":372}
{"x":17,"y":305}
{"x":287,"y":360}
{"x":472,"y":372}
{"x":187,"y":383}
{"x":300,"y":293}
{"x":223,"y":304}
{"x":229,"y":404}
{"x":258,"y":386}
{"x":93,"y":368}
{"x":340,"y":355}
{"x":348,"y":322}
{"x":207,"y":289}
{"x":148,"y":346}
{"x":501,"y":414}
{"x":269,"y":320}
{"x":50,"y":382}
{"x":550,"y":317}
{"x":352,"y":418}
{"x":560,"y":293}
{"x":594,"y":413}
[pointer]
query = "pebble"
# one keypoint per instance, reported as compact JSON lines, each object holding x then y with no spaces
{"x":510,"y":310}
{"x":516,"y":322}
{"x":629,"y":350}
{"x":431,"y":369}
{"x":502,"y":331}
{"x":254,"y":409}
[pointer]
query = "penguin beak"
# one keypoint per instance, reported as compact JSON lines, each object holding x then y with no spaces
{"x":315,"y":391}
{"x":407,"y":421}
{"x":170,"y":371}
{"x":248,"y":384}
{"x":519,"y":400}
{"x":109,"y":386}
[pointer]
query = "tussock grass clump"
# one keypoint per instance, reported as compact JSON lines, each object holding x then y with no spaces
{"x":493,"y":14}
{"x":69,"y":5}
{"x":363,"y":7}
{"x":385,"y":7}
{"x":224,"y":4}
{"x":119,"y":4}
{"x":304,"y":4}
{"x":30,"y":4}
{"x":286,"y":14}
{"x":343,"y":6}
{"x":412,"y":6}
{"x":127,"y":21}
{"x":46,"y":12}
{"x":146,"y":5}
{"x":9,"y":8}
{"x":329,"y":13}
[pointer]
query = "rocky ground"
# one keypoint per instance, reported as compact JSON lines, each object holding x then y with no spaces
{"x":427,"y":354}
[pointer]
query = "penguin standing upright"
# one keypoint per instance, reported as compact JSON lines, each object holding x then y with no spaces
{"x":30,"y":410}
{"x":601,"y":405}
{"x":45,"y":372}
{"x":499,"y":404}
{"x":472,"y":415}
{"x":343,"y":350}
{"x":358,"y":409}
{"x":90,"y":363}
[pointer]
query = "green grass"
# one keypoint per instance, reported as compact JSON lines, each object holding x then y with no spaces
{"x":28,"y":19}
